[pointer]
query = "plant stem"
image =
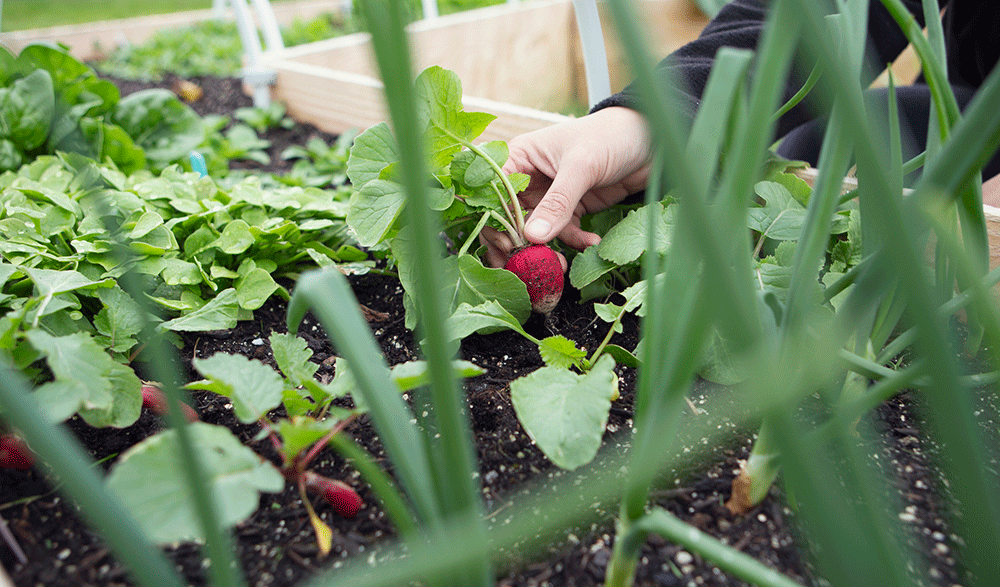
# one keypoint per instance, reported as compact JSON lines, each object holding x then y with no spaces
{"x":799,"y":96}
{"x":503,"y":203}
{"x":515,"y":236}
{"x":475,"y":233}
{"x":318,"y":445}
{"x":518,"y":217}
{"x":607,"y":338}
{"x":624,"y":553}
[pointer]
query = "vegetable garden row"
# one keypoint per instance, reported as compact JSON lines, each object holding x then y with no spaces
{"x":390,"y":410}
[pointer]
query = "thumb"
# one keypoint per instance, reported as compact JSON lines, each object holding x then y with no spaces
{"x":555,"y":210}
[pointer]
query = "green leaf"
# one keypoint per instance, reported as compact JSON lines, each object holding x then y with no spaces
{"x":489,"y":316}
{"x":413,"y":374}
{"x":59,"y":400}
{"x":145,"y":224}
{"x":719,"y":363}
{"x":126,"y":404}
{"x":50,"y":283}
{"x":220,"y":313}
{"x":561,"y":352}
{"x":781,"y":217}
{"x":472,"y":170}
{"x":465,"y":280}
{"x":374,"y":210}
{"x":565,"y":413}
{"x":373,"y":150}
{"x":774,"y":272}
{"x":168,"y":129}
{"x":254,"y":288}
{"x":299,"y":433}
{"x":121,"y":149}
{"x":254,"y":388}
{"x":76,"y":357}
{"x":292,"y":355}
{"x":26,"y":110}
{"x":627,"y":240}
{"x":477,"y":283}
{"x":236,"y":477}
{"x":121,"y":319}
{"x":796,"y":186}
{"x":180,"y":272}
{"x":439,"y":101}
{"x":588,"y":267}
{"x":622,"y":356}
{"x":236,"y":238}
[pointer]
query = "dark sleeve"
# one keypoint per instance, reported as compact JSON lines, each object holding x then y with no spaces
{"x":739,"y":24}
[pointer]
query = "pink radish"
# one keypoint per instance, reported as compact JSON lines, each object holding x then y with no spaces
{"x":14,"y":453}
{"x":341,"y":496}
{"x":154,"y":399}
{"x":539,"y":268}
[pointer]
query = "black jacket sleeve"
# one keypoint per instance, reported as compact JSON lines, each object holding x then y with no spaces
{"x":739,"y":24}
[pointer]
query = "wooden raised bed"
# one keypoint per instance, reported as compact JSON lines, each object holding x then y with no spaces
{"x":522,"y":62}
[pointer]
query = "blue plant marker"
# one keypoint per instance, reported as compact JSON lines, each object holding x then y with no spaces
{"x":198,"y":163}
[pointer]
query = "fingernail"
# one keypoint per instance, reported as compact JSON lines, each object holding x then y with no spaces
{"x":537,"y":228}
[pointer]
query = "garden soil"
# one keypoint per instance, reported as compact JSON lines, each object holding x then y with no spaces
{"x":276,"y":545}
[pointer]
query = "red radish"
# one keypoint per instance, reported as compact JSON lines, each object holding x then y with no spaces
{"x":14,"y":453}
{"x":154,"y":399}
{"x":341,"y":496}
{"x":539,"y":268}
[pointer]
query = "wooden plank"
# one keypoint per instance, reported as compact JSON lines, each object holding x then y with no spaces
{"x":337,"y":102}
{"x":993,"y":232}
{"x":523,"y":61}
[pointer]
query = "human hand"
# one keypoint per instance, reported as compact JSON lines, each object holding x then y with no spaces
{"x":577,"y":167}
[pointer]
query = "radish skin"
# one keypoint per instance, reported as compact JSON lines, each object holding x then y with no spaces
{"x":154,"y":399}
{"x":539,"y":268}
{"x":15,"y":454}
{"x":341,"y":496}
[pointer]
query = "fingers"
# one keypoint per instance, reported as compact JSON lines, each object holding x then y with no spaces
{"x":578,"y":238}
{"x":498,"y":246}
{"x":555,"y":210}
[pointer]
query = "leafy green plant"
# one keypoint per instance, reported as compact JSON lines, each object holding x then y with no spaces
{"x":51,"y":102}
{"x":470,"y":191}
{"x":309,"y":422}
{"x":263,"y":119}
{"x":318,"y":163}
{"x":210,"y":47}
{"x":799,"y":331}
{"x":207,"y":257}
{"x":324,"y":26}
{"x":238,"y":142}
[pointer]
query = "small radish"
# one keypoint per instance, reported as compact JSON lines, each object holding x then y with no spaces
{"x":341,"y":496}
{"x":14,"y":453}
{"x":539,"y":268}
{"x":154,"y":399}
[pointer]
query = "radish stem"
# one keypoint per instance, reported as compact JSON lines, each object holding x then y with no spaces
{"x":475,"y":233}
{"x":518,"y":216}
{"x":506,"y":209}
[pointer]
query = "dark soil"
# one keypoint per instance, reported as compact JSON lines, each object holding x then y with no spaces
{"x":276,"y":545}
